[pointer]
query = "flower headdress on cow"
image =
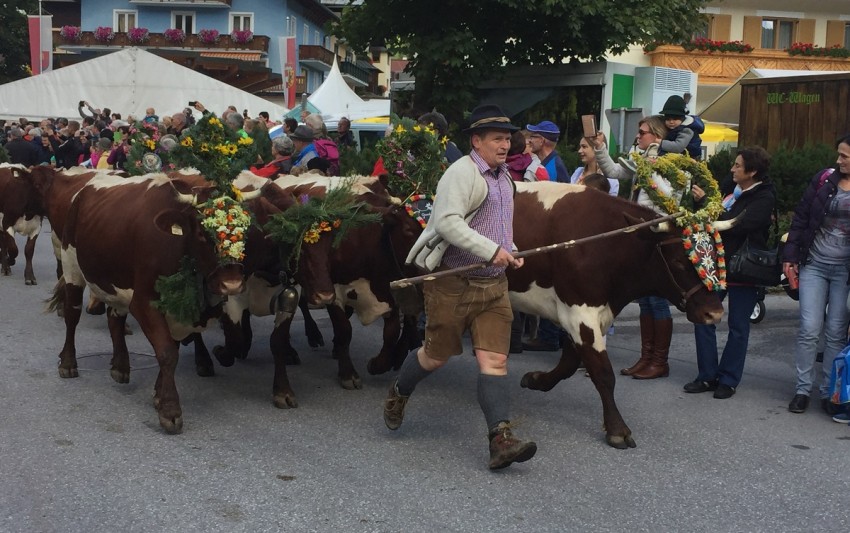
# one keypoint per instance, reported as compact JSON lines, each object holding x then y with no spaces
{"x":150,"y":148}
{"x":217,"y":153}
{"x":700,"y":239}
{"x":338,"y":212}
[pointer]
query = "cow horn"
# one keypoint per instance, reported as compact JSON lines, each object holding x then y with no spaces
{"x":723,"y":225}
{"x":251,"y":195}
{"x":191,"y":199}
{"x":662,"y":227}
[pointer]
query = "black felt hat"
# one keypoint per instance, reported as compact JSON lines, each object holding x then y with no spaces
{"x":489,"y":117}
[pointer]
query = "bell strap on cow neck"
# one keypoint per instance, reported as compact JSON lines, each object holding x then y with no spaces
{"x":419,"y":207}
{"x":683,"y":294}
{"x":704,"y":247}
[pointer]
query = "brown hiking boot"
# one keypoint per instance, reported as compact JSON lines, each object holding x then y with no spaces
{"x":506,"y":449}
{"x":394,"y":407}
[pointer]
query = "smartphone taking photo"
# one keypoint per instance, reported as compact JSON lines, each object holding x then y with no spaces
{"x":588,"y":125}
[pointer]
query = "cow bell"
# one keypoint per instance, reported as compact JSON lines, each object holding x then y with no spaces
{"x":287,"y":300}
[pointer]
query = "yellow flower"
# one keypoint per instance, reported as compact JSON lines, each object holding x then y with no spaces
{"x":246,"y":141}
{"x":237,"y":194}
{"x":187,"y":141}
{"x":399,"y":129}
{"x":205,"y":147}
{"x":232,"y":149}
{"x":417,"y":128}
{"x":215,"y":122}
{"x":150,"y":144}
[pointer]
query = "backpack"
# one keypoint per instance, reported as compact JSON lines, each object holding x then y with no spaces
{"x":694,"y":147}
{"x":327,"y":149}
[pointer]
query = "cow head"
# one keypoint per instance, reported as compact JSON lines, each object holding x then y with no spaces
{"x":673,"y":276}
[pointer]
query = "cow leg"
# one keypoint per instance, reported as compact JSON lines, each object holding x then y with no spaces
{"x":311,"y":329}
{"x":617,"y":433}
{"x":383,"y":362}
{"x":120,"y":370}
{"x":283,"y":352}
{"x":203,"y":363}
{"x":409,"y":340}
{"x":226,"y":355}
{"x":247,"y":335}
{"x":348,"y":377}
{"x":166,"y":399}
{"x":72,"y":305}
{"x":95,"y":306}
{"x":566,"y":367}
{"x":29,"y":249}
{"x":8,"y":253}
{"x":280,"y":343}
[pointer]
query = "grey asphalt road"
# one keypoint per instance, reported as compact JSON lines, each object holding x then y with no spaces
{"x":87,"y":454}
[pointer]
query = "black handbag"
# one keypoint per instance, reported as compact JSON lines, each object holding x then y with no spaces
{"x":755,"y":266}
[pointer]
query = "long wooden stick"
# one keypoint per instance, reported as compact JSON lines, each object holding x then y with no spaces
{"x":407,"y":282}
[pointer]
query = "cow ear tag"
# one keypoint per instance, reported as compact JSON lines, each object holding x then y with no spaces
{"x":176,"y":229}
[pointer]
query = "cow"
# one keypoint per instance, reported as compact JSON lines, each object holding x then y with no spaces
{"x":584,"y":287}
{"x":358,"y":274}
{"x":119,"y":236}
{"x":19,"y":212}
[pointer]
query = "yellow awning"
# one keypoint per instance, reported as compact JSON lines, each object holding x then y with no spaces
{"x":715,"y":133}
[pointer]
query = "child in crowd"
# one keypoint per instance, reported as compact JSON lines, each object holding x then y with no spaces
{"x":683,"y":130}
{"x":597,"y":181}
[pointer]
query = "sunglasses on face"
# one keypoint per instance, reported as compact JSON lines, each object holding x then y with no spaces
{"x":644,"y":132}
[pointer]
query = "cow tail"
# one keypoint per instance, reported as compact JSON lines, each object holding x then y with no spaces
{"x":57,"y":299}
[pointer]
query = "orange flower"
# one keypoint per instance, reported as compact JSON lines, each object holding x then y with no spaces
{"x":337,"y":223}
{"x":234,"y":238}
{"x":222,"y":235}
{"x":688,"y":245}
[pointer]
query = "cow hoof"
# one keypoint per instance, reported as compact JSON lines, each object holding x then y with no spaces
{"x":374,"y":367}
{"x":351,"y":383}
{"x":30,"y":282}
{"x":224,"y":357}
{"x":620,"y":442}
{"x":291,"y":358}
{"x":285,"y":401}
{"x":531,"y":380}
{"x":316,"y":341}
{"x":68,"y":372}
{"x":205,"y":371}
{"x":120,"y":376}
{"x":7,"y":271}
{"x":172,"y":425}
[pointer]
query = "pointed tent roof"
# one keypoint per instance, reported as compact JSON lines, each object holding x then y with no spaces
{"x":127,"y":81}
{"x":335,"y":99}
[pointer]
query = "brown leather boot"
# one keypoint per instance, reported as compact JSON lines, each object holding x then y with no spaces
{"x":647,"y":337}
{"x":657,"y":367}
{"x":506,"y":449}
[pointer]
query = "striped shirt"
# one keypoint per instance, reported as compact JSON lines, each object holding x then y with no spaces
{"x":493,"y":220}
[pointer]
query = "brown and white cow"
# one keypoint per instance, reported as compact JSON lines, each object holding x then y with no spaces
{"x":19,"y":213}
{"x":119,"y":236}
{"x":583,"y":288}
{"x":357,"y":273}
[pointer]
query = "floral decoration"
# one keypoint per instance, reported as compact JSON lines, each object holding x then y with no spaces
{"x":138,"y":35}
{"x":809,"y":49}
{"x":145,"y":141}
{"x":414,"y":157}
{"x":175,"y":35}
{"x":227,"y":222}
{"x":208,"y":36}
{"x":704,"y":247}
{"x":104,"y":34}
{"x":71,"y":33}
{"x":218,"y":152}
{"x":305,"y":222}
{"x":679,"y":171}
{"x":241,"y":36}
{"x":707,"y":45}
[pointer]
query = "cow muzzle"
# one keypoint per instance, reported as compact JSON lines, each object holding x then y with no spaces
{"x":227,"y":280}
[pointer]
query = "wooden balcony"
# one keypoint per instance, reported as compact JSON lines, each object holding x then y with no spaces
{"x":315,"y":57}
{"x":723,"y":68}
{"x":354,"y":74}
{"x":87,"y":41}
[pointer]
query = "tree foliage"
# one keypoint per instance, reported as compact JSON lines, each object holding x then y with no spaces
{"x":453,"y":45}
{"x":14,"y":39}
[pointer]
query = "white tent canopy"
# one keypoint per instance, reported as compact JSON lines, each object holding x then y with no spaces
{"x":335,"y":99}
{"x":726,"y":108}
{"x":127,"y":82}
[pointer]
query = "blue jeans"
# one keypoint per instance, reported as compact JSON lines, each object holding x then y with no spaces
{"x":823,"y":291}
{"x":742,"y":300}
{"x":549,"y":332}
{"x":658,"y":307}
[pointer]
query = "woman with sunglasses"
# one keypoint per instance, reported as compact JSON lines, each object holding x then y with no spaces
{"x":656,"y":322}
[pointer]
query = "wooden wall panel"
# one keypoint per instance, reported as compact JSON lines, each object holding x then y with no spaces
{"x":721,"y":27}
{"x":806,"y":31}
{"x":752,"y":31}
{"x":835,"y":32}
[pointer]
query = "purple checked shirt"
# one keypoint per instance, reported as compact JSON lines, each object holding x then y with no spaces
{"x":493,"y":220}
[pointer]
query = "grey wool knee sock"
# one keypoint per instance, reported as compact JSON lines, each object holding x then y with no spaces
{"x":410,"y":374}
{"x":494,"y":398}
